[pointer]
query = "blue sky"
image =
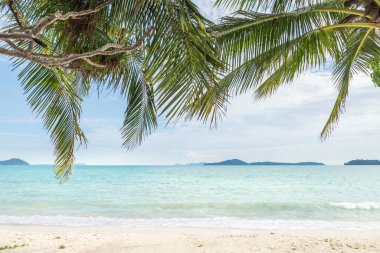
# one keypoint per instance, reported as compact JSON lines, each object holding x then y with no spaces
{"x":284,"y":127}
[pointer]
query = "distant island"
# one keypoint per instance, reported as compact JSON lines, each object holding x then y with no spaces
{"x":14,"y":161}
{"x":229,"y":162}
{"x":240,"y":162}
{"x":363,"y":162}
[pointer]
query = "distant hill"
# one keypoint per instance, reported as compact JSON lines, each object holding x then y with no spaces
{"x":14,"y":161}
{"x":363,"y":162}
{"x":229,"y":162}
{"x":240,"y":162}
{"x":274,"y":163}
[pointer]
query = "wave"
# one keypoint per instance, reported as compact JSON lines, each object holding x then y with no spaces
{"x":273,"y":207}
{"x":358,"y":206}
{"x":210,"y":222}
{"x":245,"y":207}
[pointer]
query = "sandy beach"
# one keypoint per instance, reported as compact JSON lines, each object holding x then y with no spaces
{"x":107,"y":239}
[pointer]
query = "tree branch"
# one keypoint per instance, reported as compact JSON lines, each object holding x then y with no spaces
{"x":16,"y":14}
{"x":48,"y":60}
{"x":92,"y":63}
{"x":46,"y":21}
{"x":58,"y":60}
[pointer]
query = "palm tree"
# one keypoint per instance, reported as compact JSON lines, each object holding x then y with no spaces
{"x":270,"y":43}
{"x":158,"y":55}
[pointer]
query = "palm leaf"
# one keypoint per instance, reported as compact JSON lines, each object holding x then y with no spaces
{"x":268,"y":49}
{"x":51,"y":94}
{"x":174,"y":74}
{"x":363,"y":44}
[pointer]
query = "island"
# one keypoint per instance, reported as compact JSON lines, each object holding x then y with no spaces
{"x":363,"y":162}
{"x":240,"y":162}
{"x":13,"y":161}
{"x":281,"y":163}
{"x":228,"y":162}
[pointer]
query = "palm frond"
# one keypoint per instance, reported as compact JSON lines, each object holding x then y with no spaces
{"x":362,"y":45}
{"x":272,"y":6}
{"x":140,"y":117}
{"x":174,"y":72}
{"x":257,"y":45}
{"x":270,"y":43}
{"x":51,"y":94}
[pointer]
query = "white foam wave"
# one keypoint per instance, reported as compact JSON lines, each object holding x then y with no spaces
{"x":215,"y":222}
{"x":361,"y":205}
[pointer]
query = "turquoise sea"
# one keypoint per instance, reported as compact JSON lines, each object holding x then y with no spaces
{"x":291,"y":197}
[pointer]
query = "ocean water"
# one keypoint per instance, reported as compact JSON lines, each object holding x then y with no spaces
{"x":284,"y":197}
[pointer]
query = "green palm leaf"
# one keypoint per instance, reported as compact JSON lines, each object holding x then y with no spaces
{"x":363,"y":44}
{"x":270,"y":43}
{"x":173,"y":73}
{"x":51,"y":94}
{"x":140,"y":117}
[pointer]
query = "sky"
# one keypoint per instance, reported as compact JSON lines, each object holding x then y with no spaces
{"x":284,"y":127}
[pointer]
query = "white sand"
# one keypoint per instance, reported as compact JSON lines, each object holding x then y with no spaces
{"x":156,"y":240}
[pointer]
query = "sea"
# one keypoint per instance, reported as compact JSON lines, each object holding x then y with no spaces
{"x":248,"y":197}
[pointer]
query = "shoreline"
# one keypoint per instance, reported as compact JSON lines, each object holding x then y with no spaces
{"x":220,"y":222}
{"x":184,"y":239}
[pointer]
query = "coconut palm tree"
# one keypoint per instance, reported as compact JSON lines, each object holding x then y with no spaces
{"x":157,"y":55}
{"x":270,"y":43}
